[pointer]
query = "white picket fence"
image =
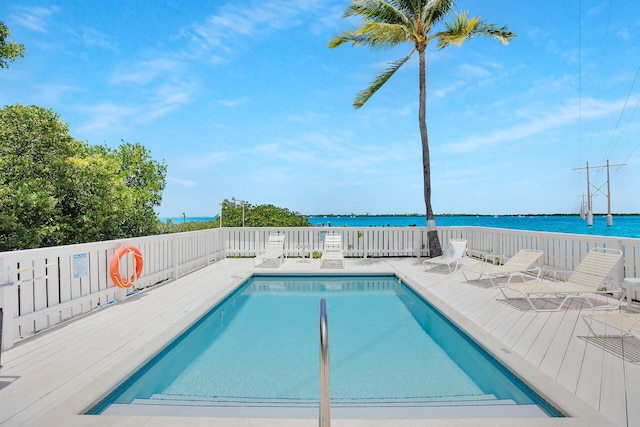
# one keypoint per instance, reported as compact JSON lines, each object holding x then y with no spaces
{"x":40,"y":288}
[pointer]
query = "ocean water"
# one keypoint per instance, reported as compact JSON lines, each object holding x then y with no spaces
{"x":623,"y":226}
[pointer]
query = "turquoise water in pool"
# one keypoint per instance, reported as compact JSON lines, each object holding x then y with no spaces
{"x":260,"y":346}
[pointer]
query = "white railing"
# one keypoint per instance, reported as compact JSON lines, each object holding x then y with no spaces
{"x":40,"y":288}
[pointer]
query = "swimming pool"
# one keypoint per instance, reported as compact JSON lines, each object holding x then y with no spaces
{"x":392,"y":355}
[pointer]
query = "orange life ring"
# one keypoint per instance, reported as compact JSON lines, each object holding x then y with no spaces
{"x":114,"y":268}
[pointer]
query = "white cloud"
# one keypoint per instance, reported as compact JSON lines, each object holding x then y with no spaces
{"x":144,"y":72}
{"x":106,"y":117}
{"x":167,"y":97}
{"x":540,"y":121}
{"x":181,"y":182}
{"x":34,"y":18}
{"x":231,"y":102}
{"x":236,"y":23}
{"x":92,"y":37}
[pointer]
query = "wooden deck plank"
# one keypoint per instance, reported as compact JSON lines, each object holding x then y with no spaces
{"x":613,"y":401}
{"x":590,"y":376}
{"x":632,"y":387}
{"x":531,"y":334}
{"x":504,"y":324}
{"x":538,"y":350}
{"x":573,"y":360}
{"x":556,"y":353}
{"x":518,"y":329}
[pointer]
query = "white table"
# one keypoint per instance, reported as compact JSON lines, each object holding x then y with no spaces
{"x":628,"y":283}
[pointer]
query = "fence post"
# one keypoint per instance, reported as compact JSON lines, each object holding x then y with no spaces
{"x":206,"y":248}
{"x":175,"y":259}
{"x":8,"y":298}
{"x":366,"y":243}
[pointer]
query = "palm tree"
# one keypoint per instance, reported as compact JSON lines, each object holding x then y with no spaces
{"x":388,"y":23}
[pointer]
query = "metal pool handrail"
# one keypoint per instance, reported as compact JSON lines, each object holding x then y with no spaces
{"x":325,"y":418}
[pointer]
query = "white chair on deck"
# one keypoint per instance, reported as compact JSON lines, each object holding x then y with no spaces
{"x":588,"y":279}
{"x":627,"y":324}
{"x":618,"y":333}
{"x":332,"y":250}
{"x":452,"y":256}
{"x":274,"y":251}
{"x":518,"y":265}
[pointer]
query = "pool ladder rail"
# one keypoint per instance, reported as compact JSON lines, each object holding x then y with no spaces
{"x":325,"y":416}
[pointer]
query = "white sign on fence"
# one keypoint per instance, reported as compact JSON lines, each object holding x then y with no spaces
{"x":79,"y":265}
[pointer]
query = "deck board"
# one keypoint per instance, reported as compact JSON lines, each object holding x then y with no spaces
{"x":539,"y":348}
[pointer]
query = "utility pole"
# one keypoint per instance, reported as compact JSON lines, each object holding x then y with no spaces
{"x":589,"y":211}
{"x":609,"y":217}
{"x":589,"y":205}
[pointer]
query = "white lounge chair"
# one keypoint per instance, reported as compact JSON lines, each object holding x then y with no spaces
{"x":628,"y":324}
{"x":274,"y":251}
{"x":621,"y":333}
{"x":589,"y":278}
{"x":332,"y":250}
{"x":521,"y":264}
{"x":452,"y":256}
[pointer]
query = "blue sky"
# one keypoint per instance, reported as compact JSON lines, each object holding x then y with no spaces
{"x":245,"y":100}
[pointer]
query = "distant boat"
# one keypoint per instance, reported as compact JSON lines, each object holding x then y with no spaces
{"x":583,"y":215}
{"x":495,"y":216}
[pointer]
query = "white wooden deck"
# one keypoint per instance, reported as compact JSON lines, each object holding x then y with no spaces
{"x":52,"y":377}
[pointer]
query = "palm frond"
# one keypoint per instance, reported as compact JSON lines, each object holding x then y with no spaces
{"x":436,"y":10}
{"x":378,"y":11}
{"x":501,"y":34}
{"x":364,"y":95}
{"x":344,"y":37}
{"x":377,"y":35}
{"x":373,"y":35}
{"x":463,"y":28}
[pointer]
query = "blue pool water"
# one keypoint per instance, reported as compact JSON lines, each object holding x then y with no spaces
{"x":260,"y":346}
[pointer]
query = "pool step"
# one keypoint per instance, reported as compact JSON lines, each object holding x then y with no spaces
{"x":462,"y":400}
{"x":480,"y":406}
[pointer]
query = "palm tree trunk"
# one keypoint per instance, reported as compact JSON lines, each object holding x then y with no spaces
{"x":432,"y":235}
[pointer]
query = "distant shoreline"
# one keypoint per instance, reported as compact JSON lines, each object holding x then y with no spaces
{"x":474,"y":215}
{"x":597,"y":214}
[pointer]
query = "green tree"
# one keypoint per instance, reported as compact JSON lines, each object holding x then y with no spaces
{"x":390,"y":23}
{"x":260,"y":216}
{"x":56,"y":190}
{"x":34,"y":148}
{"x":9,"y":50}
{"x":144,"y":181}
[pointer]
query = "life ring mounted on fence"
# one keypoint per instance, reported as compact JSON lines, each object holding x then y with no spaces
{"x":114,"y":268}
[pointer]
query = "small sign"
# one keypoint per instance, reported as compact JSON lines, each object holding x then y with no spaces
{"x":79,"y":265}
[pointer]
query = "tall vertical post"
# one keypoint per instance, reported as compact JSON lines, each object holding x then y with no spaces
{"x":175,"y":257}
{"x":589,"y":211}
{"x":609,"y":217}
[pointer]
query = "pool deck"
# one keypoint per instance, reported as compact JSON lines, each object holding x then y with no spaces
{"x":50,"y":378}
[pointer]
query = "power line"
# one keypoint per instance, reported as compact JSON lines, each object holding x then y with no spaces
{"x":606,"y":37}
{"x":622,"y":113}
